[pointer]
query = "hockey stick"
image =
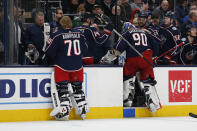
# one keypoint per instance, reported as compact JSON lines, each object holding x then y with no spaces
{"x":193,"y":115}
{"x":155,"y":59}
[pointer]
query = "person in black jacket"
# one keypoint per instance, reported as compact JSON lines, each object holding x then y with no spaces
{"x":192,"y":20}
{"x":35,"y":40}
{"x":106,"y":5}
{"x":89,"y":4}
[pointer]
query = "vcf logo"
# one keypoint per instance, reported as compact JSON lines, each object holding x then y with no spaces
{"x":180,"y":86}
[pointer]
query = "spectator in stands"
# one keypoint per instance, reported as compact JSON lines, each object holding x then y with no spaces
{"x":77,"y":19}
{"x":55,"y":24}
{"x":73,"y":6}
{"x":81,"y":9}
{"x":35,"y":40}
{"x":21,"y":38}
{"x":106,"y":5}
{"x":70,"y":6}
{"x":122,"y":12}
{"x":119,"y":23}
{"x":137,"y":4}
{"x":192,"y":20}
{"x":181,"y":10}
{"x":89,"y":4}
{"x":99,"y":17}
{"x":134,"y":14}
{"x":145,"y":7}
{"x":161,"y":10}
{"x":186,"y":18}
{"x":17,"y":55}
{"x":125,"y":4}
{"x":152,"y":4}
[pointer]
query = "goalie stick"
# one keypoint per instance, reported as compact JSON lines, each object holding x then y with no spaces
{"x":193,"y":115}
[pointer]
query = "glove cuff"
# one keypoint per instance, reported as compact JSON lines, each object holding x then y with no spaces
{"x":108,"y":32}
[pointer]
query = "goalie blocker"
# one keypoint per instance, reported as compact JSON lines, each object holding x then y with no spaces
{"x":139,"y":58}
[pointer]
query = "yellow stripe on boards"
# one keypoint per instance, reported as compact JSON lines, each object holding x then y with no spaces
{"x":25,"y":115}
{"x":167,"y":111}
{"x":44,"y":114}
{"x":101,"y":113}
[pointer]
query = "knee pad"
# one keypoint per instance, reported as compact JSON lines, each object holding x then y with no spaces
{"x":129,"y":91}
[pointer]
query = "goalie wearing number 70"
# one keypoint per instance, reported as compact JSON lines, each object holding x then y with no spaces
{"x":67,"y":47}
{"x":138,"y":59}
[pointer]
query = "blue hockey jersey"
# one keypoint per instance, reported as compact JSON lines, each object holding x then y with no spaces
{"x":155,"y":31}
{"x":93,"y":37}
{"x":140,"y":39}
{"x":188,"y":51}
{"x":67,"y":48}
{"x":171,"y":38}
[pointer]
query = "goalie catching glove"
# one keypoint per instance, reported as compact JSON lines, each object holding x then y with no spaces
{"x":109,"y":57}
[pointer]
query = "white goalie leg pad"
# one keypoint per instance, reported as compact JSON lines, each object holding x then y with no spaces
{"x":128,"y":92}
{"x":61,"y":100}
{"x":54,"y":96}
{"x":79,"y":100}
{"x":152,"y":99}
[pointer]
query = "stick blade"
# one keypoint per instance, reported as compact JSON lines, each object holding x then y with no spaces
{"x":193,"y":115}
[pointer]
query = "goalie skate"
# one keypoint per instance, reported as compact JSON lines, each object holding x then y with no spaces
{"x":61,"y":113}
{"x":151,"y":96}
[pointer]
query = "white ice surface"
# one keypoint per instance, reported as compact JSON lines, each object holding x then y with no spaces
{"x":126,"y":124}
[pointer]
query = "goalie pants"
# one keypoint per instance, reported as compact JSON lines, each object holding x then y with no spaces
{"x":135,"y":64}
{"x":70,"y":76}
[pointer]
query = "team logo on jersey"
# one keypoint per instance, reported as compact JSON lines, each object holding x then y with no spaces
{"x":180,"y":86}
